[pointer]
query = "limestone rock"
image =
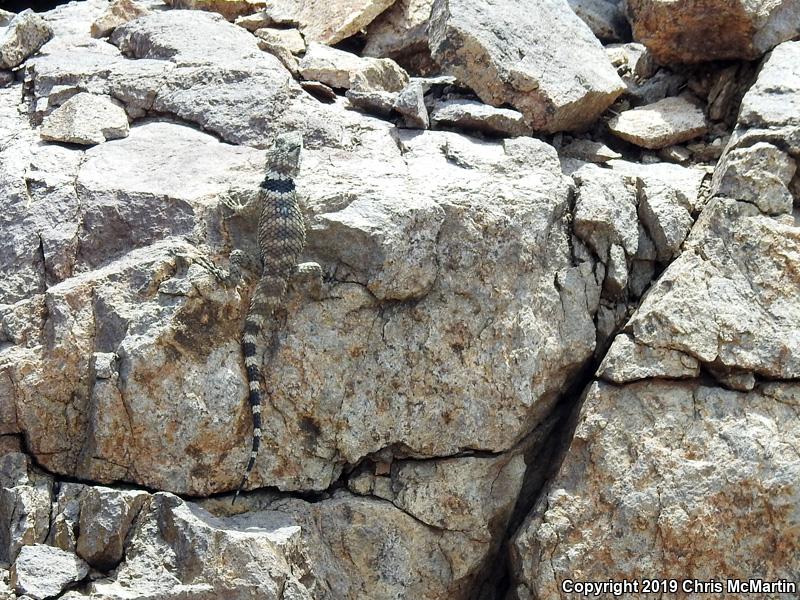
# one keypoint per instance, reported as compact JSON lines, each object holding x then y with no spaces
{"x":86,"y":119}
{"x":606,"y":18}
{"x":176,"y":549}
{"x":44,"y":571}
{"x":678,"y":32}
{"x":675,"y":478}
{"x":565,"y":84}
{"x":730,"y":298}
{"x":401,"y":33}
{"x":589,"y":151}
{"x":21,"y":37}
{"x":340,"y":69}
{"x":24,"y":508}
{"x":469,"y":114}
{"x":663,"y":123}
{"x":117,"y":13}
{"x":226,"y":85}
{"x":374,"y":101}
{"x":326,"y":22}
{"x":628,"y":361}
{"x":106,"y":516}
{"x":759,"y":174}
{"x":766,"y":139}
{"x":769,"y":108}
{"x":605,"y":211}
{"x":230,"y":9}
{"x":411,"y":104}
{"x":287,"y":38}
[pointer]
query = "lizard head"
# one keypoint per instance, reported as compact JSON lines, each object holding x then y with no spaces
{"x":285,"y":152}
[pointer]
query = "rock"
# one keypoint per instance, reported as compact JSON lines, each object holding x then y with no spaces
{"x":105,"y":519}
{"x":649,"y":91}
{"x":589,"y":151}
{"x":24,"y":508}
{"x":769,"y":108}
{"x":23,"y":36}
{"x":230,"y":9}
{"x":470,"y":114}
{"x":411,"y":104}
{"x":342,"y":70}
{"x":667,"y":217}
{"x":633,"y":60}
{"x":255,"y":21}
{"x":286,"y":38}
{"x":44,"y":572}
{"x":365,"y":547}
{"x":375,"y":102}
{"x":86,"y":119}
{"x":117,"y":13}
{"x":729,"y":298}
{"x":401,"y":33}
{"x":320,"y":91}
{"x":404,"y":221}
{"x":565,"y":85}
{"x":675,"y":478}
{"x":628,"y":361}
{"x":759,"y":174}
{"x":65,"y":516}
{"x":605,"y":211}
{"x":679,"y":32}
{"x":703,"y":152}
{"x":326,"y":22}
{"x":678,"y":154}
{"x":606,"y":18}
{"x":226,"y":85}
{"x":664,"y":123}
{"x":177,"y":549}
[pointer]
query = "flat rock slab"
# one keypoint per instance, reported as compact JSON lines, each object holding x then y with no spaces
{"x":86,"y":119}
{"x":42,"y":571}
{"x":664,"y":123}
{"x":24,"y":35}
{"x":469,"y":114}
{"x":546,"y":63}
{"x":691,"y":32}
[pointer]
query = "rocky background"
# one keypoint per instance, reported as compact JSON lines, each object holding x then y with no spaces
{"x":559,"y":335}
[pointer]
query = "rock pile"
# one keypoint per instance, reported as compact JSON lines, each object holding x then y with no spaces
{"x":533,"y":218}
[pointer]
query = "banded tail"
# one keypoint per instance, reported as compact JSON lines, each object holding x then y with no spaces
{"x":281,"y":238}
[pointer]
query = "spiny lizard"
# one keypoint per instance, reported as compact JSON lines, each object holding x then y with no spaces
{"x":281,"y":239}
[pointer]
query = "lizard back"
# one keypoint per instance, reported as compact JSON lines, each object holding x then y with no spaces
{"x":281,"y":239}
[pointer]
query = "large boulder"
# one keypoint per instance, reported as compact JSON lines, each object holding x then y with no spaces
{"x":673,"y":481}
{"x":147,"y":343}
{"x":542,"y":59}
{"x":691,"y":32}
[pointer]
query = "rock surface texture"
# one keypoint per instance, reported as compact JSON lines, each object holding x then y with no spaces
{"x":564,"y":84}
{"x":506,"y":262}
{"x":692,"y":32}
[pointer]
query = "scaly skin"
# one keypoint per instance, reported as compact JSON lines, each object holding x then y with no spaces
{"x":281,"y":239}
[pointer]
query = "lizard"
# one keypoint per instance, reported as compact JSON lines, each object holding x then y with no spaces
{"x":281,"y":239}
